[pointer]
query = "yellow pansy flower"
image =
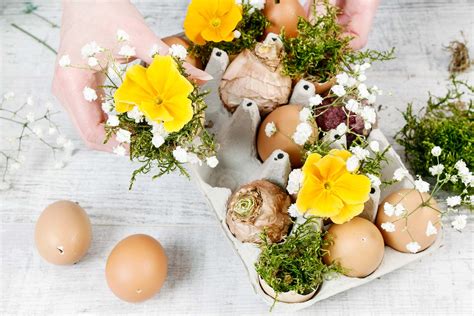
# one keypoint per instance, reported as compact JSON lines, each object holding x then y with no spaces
{"x":329,"y":190}
{"x":160,"y":92}
{"x":212,"y":20}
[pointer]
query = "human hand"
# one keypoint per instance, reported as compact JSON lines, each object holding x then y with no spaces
{"x":357,"y":17}
{"x":86,"y":21}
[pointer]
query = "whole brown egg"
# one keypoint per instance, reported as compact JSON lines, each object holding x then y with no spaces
{"x":63,"y":233}
{"x":136,"y":268}
{"x":283,"y":14}
{"x":286,"y":118}
{"x":170,"y":40}
{"x":418,"y":217}
{"x":357,"y":245}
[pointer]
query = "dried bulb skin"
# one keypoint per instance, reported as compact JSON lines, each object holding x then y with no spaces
{"x":257,"y":206}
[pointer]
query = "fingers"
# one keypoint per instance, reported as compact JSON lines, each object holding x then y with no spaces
{"x":88,"y":117}
{"x":358,"y":16}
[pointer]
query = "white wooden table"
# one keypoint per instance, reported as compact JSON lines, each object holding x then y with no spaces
{"x":205,"y":277}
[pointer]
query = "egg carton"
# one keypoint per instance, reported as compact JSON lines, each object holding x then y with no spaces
{"x":239,"y":164}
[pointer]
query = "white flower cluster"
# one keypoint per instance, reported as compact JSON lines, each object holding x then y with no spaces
{"x":359,"y":155}
{"x":270,"y":129}
{"x":295,"y":181}
{"x":178,"y":51}
{"x":293,"y":211}
{"x":256,"y":4}
{"x":183,"y":156}
{"x":304,"y":130}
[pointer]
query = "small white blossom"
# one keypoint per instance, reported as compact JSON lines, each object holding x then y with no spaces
{"x":270,"y":129}
{"x":30,"y":117}
{"x":64,"y":61}
{"x":371,"y":98}
{"x":436,"y":151}
{"x":369,"y":115}
{"x":113,"y":120}
{"x":413,"y":247}
{"x":52,"y":130}
{"x":341,"y":129}
{"x":157,"y":140}
{"x":399,"y":209}
{"x":460,"y":165}
{"x":4,"y":185}
{"x":399,"y":174}
{"x":30,"y":101}
{"x":342,"y":79}
{"x":135,"y":114}
{"x":15,"y":166}
{"x":155,"y":49}
{"x":9,"y":95}
{"x":237,"y":34}
{"x":92,"y":61}
{"x":453,"y":201}
{"x":389,"y":227}
{"x":305,"y":114}
{"x":431,"y":229}
{"x":122,"y":36}
{"x":459,"y":222}
{"x":388,"y":209}
{"x":360,"y":153}
{"x":365,"y":66}
{"x":302,"y":134}
{"x":374,"y":180}
{"x":59,"y":164}
{"x":107,"y":107}
{"x":123,"y":136}
{"x":119,"y":150}
{"x":61,"y":140}
{"x":293,"y":210}
{"x":127,"y":51}
{"x":436,"y":169}
{"x":422,"y":186}
{"x":178,"y":51}
{"x":338,"y":90}
{"x":352,"y":164}
{"x":69,"y":147}
{"x":212,"y":161}
{"x":295,"y":180}
{"x":352,"y":106}
{"x":374,"y":146}
{"x":89,"y":94}
{"x":315,"y":100}
{"x":362,"y":78}
{"x":159,"y":129}
{"x":257,"y":4}
{"x":180,"y":154}
{"x":363,"y":91}
{"x":38,"y":131}
{"x":49,"y":106}
{"x":90,"y":49}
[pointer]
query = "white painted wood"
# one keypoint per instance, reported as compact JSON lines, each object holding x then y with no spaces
{"x":205,"y":275}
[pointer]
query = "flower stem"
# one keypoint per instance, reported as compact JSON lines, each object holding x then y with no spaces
{"x":54,"y":25}
{"x":35,"y":38}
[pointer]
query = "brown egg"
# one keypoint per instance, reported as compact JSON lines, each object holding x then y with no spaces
{"x":357,"y":245}
{"x":170,"y":40}
{"x":136,"y":268}
{"x":63,"y":233}
{"x":283,"y":15}
{"x":286,"y":119}
{"x":417,"y":222}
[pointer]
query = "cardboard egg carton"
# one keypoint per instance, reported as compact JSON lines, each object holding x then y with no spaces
{"x":239,"y":164}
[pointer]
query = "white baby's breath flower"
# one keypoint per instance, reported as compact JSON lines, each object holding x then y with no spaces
{"x":338,"y":90}
{"x":15,"y":166}
{"x":69,"y":147}
{"x":270,"y":129}
{"x":30,"y":101}
{"x":371,"y":98}
{"x":374,"y":146}
{"x":127,"y":51}
{"x":38,"y":131}
{"x":361,"y":78}
{"x":92,"y":61}
{"x":352,"y":164}
{"x":302,"y":134}
{"x":119,"y":150}
{"x":4,"y":185}
{"x":64,"y":61}
{"x":9,"y":95}
{"x":123,"y":136}
{"x":363,"y":91}
{"x":361,"y":153}
{"x":107,"y":107}
{"x":237,"y":34}
{"x":135,"y":114}
{"x":388,"y":227}
{"x":113,"y":120}
{"x":30,"y":117}
{"x":369,"y":116}
{"x":459,"y":222}
{"x":178,"y":51}
{"x":52,"y":130}
{"x":159,"y":129}
{"x":342,"y":79}
{"x":180,"y":154}
{"x":413,"y":247}
{"x":374,"y":180}
{"x":453,"y":201}
{"x":365,"y":66}
{"x":305,"y":114}
{"x":436,"y":151}
{"x":388,"y":209}
{"x":315,"y":100}
{"x":399,"y":209}
{"x":49,"y":106}
{"x":421,"y":186}
{"x":399,"y":174}
{"x":460,"y":165}
{"x":212,"y":161}
{"x":58,"y":164}
{"x":293,"y":210}
{"x":155,"y":49}
{"x":256,"y":4}
{"x":122,"y":36}
{"x":352,"y":106}
{"x":157,"y":140}
{"x":90,"y":49}
{"x":61,"y":140}
{"x":341,"y":129}
{"x":295,"y":180}
{"x":431,"y":229}
{"x":89,"y":94}
{"x":436,"y":169}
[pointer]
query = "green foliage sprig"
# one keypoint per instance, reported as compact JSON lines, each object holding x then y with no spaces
{"x":251,"y":28}
{"x":321,"y":50}
{"x":296,"y":264}
{"x":448,"y":122}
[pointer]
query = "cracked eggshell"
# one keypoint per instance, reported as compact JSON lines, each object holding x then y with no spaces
{"x":286,"y":119}
{"x":63,"y":233}
{"x":357,"y":245}
{"x":417,"y":220}
{"x":136,"y":268}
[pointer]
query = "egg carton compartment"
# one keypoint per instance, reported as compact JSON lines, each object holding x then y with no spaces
{"x":239,"y":164}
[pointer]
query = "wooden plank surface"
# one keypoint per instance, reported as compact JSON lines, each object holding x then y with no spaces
{"x":206,"y":277}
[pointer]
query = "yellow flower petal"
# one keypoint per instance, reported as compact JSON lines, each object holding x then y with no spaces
{"x":230,"y":21}
{"x":155,"y":113}
{"x":327,"y":205}
{"x":344,"y":154}
{"x":309,"y":166}
{"x":181,"y":117}
{"x":352,"y":189}
{"x":193,"y":26}
{"x":311,"y":188}
{"x":134,"y":90}
{"x":330,"y":167}
{"x":347,"y":213}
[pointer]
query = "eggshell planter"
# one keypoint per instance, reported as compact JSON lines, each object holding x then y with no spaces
{"x":239,"y":165}
{"x":286,"y":297}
